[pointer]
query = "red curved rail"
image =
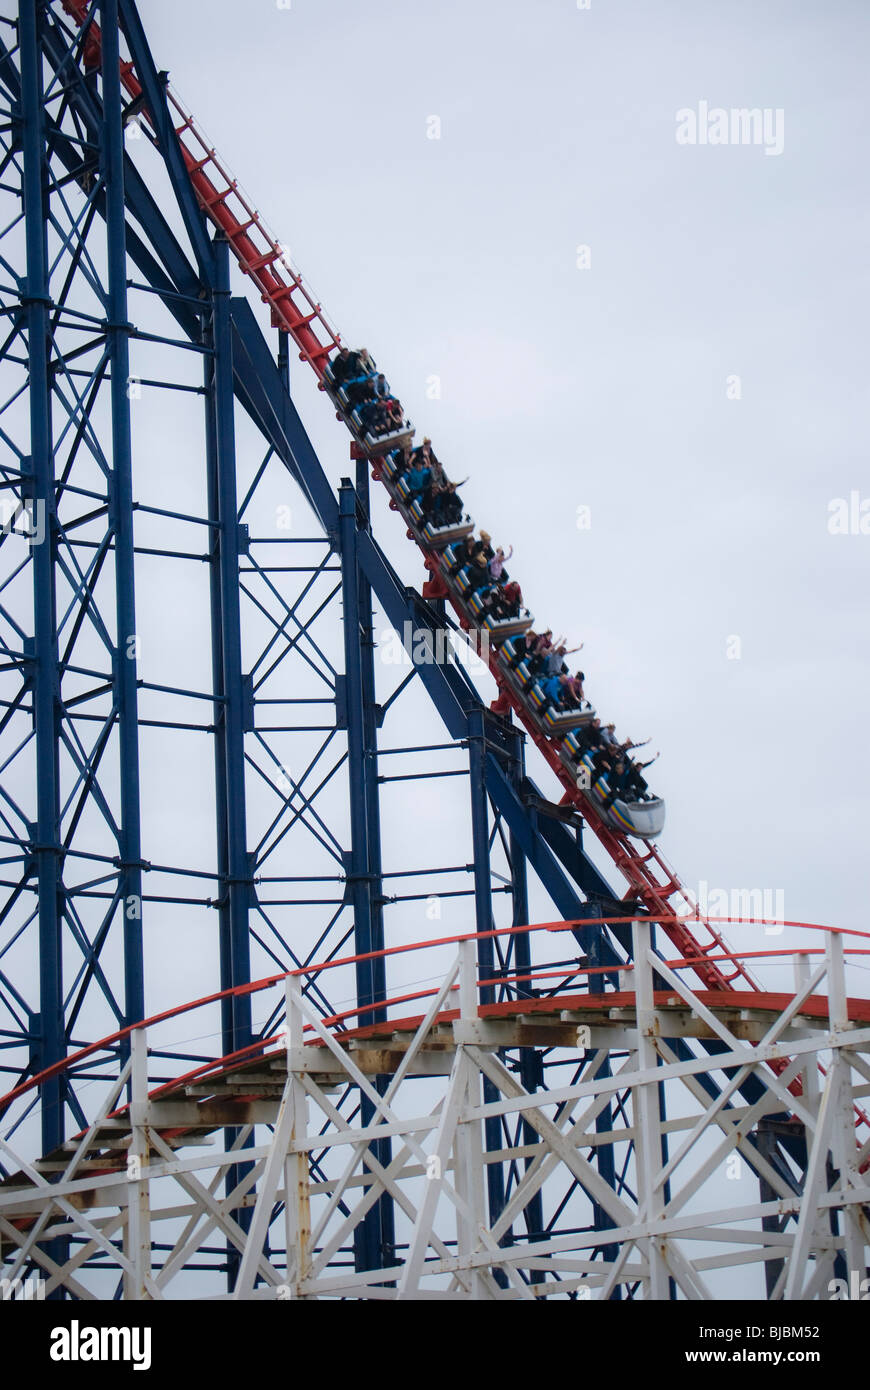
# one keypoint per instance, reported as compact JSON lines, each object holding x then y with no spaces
{"x":859,"y":1009}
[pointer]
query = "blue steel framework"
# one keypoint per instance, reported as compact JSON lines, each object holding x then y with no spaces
{"x":85,"y":245}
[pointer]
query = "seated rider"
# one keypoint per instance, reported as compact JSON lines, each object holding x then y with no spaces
{"x":437,"y":478}
{"x":478,"y":565}
{"x":552,"y":688}
{"x":556,"y":658}
{"x":417,"y":478}
{"x":370,"y":413}
{"x":402,"y":460}
{"x":512,"y":595}
{"x":574,"y":689}
{"x":486,"y":547}
{"x":425,"y":453}
{"x":537,"y":655}
{"x":617,"y":780}
{"x":451,"y":505}
{"x":347,"y":365}
{"x":636,"y":781}
{"x":447,"y":506}
{"x":464,"y":554}
{"x":505,"y":601}
{"x":381,"y":415}
{"x":589,"y":737}
{"x":522,"y":645}
{"x":359,"y":384}
{"x":602,"y":765}
{"x":497,"y":572}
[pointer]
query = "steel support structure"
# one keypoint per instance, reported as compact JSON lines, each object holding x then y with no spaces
{"x":315,"y":1173}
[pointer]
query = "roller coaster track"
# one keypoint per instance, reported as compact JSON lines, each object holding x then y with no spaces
{"x":296,"y":310}
{"x":435,"y":1030}
{"x":616,"y":1027}
{"x":230,"y":1082}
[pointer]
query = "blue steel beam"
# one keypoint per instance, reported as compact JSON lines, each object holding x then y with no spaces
{"x":141,"y":203}
{"x":529,"y":1059}
{"x":227,"y":636}
{"x":46,"y":849}
{"x":121,"y":508}
{"x":358,"y":876}
{"x":383,"y":1221}
{"x":154,"y":94}
{"x":363,"y":868}
{"x":234,"y":862}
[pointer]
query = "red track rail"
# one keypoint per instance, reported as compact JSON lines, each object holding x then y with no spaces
{"x":295,"y":309}
{"x":858,"y":1009}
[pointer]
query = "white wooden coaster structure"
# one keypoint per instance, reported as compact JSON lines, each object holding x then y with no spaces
{"x":300,"y":1173}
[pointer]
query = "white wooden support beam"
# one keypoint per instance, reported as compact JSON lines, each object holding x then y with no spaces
{"x":138,"y":1231}
{"x":647,"y":1112}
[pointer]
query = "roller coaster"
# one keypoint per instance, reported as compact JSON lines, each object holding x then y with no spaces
{"x":468,"y":1116}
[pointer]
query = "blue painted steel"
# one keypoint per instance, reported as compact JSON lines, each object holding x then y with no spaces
{"x":121,"y":513}
{"x":383,"y":1220}
{"x":46,"y":849}
{"x":375,"y":1237}
{"x":231,"y":702}
{"x":529,"y":1060}
{"x":154,"y":95}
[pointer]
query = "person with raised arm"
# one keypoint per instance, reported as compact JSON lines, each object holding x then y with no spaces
{"x":538,"y":652}
{"x":447,"y":505}
{"x":497,"y":564}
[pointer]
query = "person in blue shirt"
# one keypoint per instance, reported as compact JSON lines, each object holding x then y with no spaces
{"x":552,"y":688}
{"x":417,"y":478}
